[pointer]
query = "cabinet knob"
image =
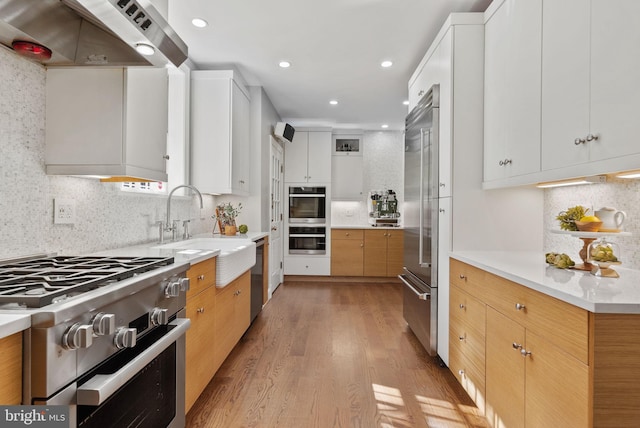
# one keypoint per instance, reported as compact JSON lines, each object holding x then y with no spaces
{"x":421,"y":93}
{"x":525,"y":353}
{"x":442,"y":184}
{"x":200,"y":277}
{"x":516,"y":346}
{"x":579,"y":141}
{"x":165,"y":157}
{"x":461,"y":338}
{"x":200,"y":310}
{"x":461,"y":372}
{"x":461,"y":306}
{"x":463,"y":277}
{"x":520,"y":306}
{"x":441,"y":210}
{"x":592,"y":137}
{"x":347,"y":234}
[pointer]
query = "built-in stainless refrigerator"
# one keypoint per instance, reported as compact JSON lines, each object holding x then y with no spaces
{"x":420,"y":277}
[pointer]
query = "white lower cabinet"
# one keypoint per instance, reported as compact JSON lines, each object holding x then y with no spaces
{"x":307,"y":265}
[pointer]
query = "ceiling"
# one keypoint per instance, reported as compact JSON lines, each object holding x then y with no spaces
{"x":335,"y":48}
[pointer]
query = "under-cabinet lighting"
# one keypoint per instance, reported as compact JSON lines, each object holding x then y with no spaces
{"x":628,"y":174}
{"x":385,"y":126}
{"x":405,"y":102}
{"x":573,"y":182}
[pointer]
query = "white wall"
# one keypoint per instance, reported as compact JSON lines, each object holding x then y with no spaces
{"x":105,"y":217}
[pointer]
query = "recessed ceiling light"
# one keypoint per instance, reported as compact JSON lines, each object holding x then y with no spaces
{"x":333,"y":102}
{"x":198,"y":22}
{"x":405,"y":102}
{"x":386,"y":64}
{"x":385,"y":126}
{"x":145,"y":49}
{"x":285,"y":64}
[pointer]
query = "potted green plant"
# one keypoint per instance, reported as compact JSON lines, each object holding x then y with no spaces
{"x":226,"y":215}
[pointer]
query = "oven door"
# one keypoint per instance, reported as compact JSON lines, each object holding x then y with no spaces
{"x":139,"y":387}
{"x":307,"y":204}
{"x":307,"y":240}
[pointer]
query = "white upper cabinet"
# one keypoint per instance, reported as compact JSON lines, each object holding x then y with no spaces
{"x":107,"y":121}
{"x":220,"y":133}
{"x":513,"y":39}
{"x":308,"y":157}
{"x":347,"y":178}
{"x":589,"y":81}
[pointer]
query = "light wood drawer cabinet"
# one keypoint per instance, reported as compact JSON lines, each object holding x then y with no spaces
{"x":564,"y":325}
{"x":383,"y":252}
{"x":347,"y":252}
{"x":11,"y":369}
{"x":467,"y":343}
{"x":201,"y":276}
{"x":200,"y":339}
{"x":467,"y":277}
{"x":232,"y":318}
{"x":544,"y":363}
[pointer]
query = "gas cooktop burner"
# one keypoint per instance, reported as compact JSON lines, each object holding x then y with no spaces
{"x":39,"y":282}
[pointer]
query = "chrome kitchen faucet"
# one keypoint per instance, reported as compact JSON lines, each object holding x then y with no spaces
{"x":172,"y":227}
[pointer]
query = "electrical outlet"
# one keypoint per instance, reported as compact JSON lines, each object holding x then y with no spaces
{"x":348,"y":212}
{"x":64,"y":211}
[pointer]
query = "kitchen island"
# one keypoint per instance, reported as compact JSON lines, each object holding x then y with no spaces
{"x":534,"y":345}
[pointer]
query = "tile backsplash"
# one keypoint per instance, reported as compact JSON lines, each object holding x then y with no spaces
{"x":622,"y":194}
{"x":105,"y":216}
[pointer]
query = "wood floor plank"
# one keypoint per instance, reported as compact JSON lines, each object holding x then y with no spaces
{"x":332,"y":355}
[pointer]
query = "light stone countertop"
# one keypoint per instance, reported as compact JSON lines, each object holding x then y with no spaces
{"x":13,"y":321}
{"x":363,"y":226}
{"x":579,"y":288}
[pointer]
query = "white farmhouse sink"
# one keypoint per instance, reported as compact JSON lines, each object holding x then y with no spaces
{"x":236,"y":255}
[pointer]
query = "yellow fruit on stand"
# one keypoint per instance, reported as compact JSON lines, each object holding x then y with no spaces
{"x":589,"y":218}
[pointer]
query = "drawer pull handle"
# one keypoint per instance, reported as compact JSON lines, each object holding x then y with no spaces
{"x":525,"y":353}
{"x":461,"y":338}
{"x":200,"y":310}
{"x":516,"y":346}
{"x":461,"y":372}
{"x":200,"y":277}
{"x":520,"y":306}
{"x":461,"y":306}
{"x":463,"y":277}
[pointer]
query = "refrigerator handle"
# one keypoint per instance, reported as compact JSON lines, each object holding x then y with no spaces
{"x":421,"y":296}
{"x":421,"y":213}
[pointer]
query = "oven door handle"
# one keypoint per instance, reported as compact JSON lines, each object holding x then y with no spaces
{"x":101,"y":387}
{"x":307,"y":195}
{"x":307,"y":235}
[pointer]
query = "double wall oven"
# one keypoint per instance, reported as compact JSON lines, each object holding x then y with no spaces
{"x":307,"y":220}
{"x":107,"y":337}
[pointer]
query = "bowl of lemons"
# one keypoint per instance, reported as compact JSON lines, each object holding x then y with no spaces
{"x":589,"y":223}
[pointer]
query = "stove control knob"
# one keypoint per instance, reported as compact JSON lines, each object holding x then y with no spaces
{"x":172,"y":289}
{"x":78,"y":336}
{"x":184,"y":284}
{"x":125,"y":338}
{"x":160,"y":316}
{"x":104,"y":324}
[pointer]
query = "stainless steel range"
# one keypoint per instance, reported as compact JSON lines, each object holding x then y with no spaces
{"x":107,"y":336}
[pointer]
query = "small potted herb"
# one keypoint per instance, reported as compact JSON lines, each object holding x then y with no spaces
{"x":226,"y":215}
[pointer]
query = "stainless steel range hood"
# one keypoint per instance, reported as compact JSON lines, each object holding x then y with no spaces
{"x":92,"y":32}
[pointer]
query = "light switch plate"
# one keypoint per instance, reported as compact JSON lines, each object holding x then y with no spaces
{"x":64,"y":211}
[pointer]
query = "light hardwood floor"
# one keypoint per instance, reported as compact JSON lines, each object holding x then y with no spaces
{"x":332,"y":355}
